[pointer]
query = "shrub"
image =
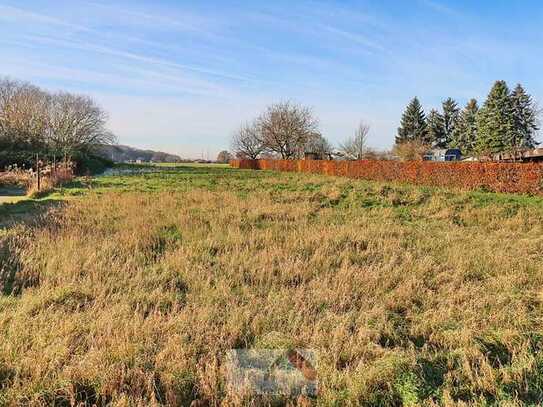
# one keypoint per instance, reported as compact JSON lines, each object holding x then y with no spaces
{"x":410,"y":150}
{"x":21,"y":159}
{"x":91,"y":164}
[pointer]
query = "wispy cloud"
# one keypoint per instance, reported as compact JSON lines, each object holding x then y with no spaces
{"x":16,"y":14}
{"x":100,"y":49}
{"x":440,"y":8}
{"x":354,"y":37}
{"x":123,"y":78}
{"x":315,"y":26}
{"x":184,"y":21}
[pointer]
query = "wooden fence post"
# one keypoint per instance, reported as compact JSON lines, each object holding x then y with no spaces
{"x":38,"y":170}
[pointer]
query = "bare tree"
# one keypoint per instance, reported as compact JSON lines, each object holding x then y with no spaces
{"x":76,"y":123}
{"x":246,"y":141}
{"x":224,"y":157}
{"x":23,"y":114}
{"x":285,"y":128}
{"x":354,"y":148}
{"x":33,"y":119}
{"x":319,"y":145}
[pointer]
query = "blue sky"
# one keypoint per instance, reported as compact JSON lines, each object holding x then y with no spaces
{"x":182,"y":75}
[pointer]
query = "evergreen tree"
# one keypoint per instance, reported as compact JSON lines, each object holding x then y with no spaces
{"x":525,"y":119}
{"x":436,"y":128}
{"x":465,"y":133}
{"x":495,"y":121}
{"x":450,"y":121}
{"x":413,"y":124}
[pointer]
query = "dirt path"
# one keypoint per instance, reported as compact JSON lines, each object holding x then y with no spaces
{"x":12,"y":194}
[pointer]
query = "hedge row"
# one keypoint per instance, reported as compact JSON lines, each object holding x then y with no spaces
{"x":85,"y":163}
{"x":497,"y":177}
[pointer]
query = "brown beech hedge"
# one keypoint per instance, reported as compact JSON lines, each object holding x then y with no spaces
{"x":497,"y":177}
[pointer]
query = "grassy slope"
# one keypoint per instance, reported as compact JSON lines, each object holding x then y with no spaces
{"x":132,"y":294}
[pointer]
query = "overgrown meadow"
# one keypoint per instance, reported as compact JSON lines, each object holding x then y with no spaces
{"x":128,"y":289}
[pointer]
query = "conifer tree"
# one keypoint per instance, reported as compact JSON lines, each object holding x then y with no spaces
{"x":465,"y":133}
{"x":436,"y":128}
{"x":495,"y":121}
{"x":413,"y":124}
{"x":524,"y":119}
{"x":450,"y":121}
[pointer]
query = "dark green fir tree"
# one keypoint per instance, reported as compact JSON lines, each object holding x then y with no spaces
{"x":495,"y":121}
{"x":465,"y":132}
{"x":524,"y":119}
{"x":450,"y":121}
{"x":413,"y":124}
{"x":435,"y":128}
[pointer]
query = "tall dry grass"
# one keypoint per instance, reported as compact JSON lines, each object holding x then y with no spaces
{"x":50,"y":179}
{"x":15,"y":178}
{"x":410,"y":296}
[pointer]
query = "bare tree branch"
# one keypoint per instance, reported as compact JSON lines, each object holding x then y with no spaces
{"x":246,"y":141}
{"x":31,"y":118}
{"x":285,"y":128}
{"x":354,"y":148}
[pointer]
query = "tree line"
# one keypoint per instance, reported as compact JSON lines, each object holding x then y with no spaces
{"x":288,"y":131}
{"x":507,"y":121}
{"x":33,"y":120}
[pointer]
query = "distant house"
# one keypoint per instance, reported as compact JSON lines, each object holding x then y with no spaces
{"x":445,"y":154}
{"x":535,"y":154}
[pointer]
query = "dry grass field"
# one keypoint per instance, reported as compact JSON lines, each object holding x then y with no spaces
{"x":132,"y":290}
